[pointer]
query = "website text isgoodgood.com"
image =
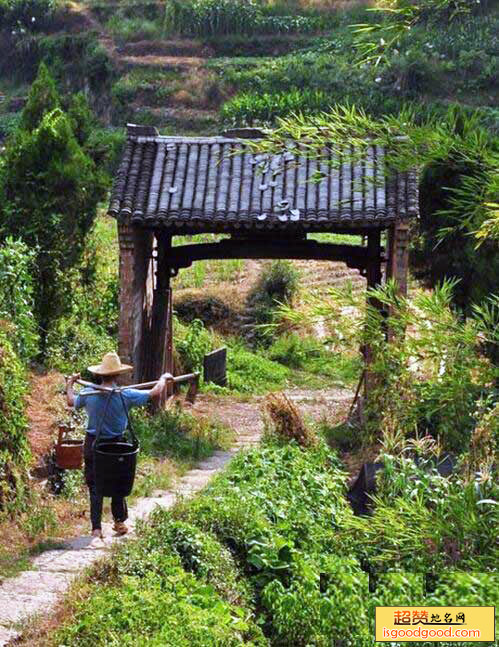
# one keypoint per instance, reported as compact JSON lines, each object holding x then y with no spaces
{"x":421,"y":632}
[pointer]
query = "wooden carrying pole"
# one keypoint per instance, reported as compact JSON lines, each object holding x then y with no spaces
{"x":179,"y":379}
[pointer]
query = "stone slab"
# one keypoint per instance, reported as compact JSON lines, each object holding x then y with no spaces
{"x":144,"y":507}
{"x":66,"y":561}
{"x":34,"y":582}
{"x":15,"y":607}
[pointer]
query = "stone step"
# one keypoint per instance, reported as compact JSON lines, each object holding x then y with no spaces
{"x":171,"y":48}
{"x":167,"y":63}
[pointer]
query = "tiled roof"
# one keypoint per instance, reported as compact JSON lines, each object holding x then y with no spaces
{"x":217,"y":184}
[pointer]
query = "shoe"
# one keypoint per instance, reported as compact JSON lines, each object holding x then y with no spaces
{"x":120,"y":528}
{"x":97,"y":540}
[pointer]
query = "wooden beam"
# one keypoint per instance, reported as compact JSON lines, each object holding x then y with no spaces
{"x":353,"y":255}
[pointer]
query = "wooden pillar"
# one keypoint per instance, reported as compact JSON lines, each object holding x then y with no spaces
{"x":374,"y":277}
{"x":135,"y":250}
{"x":156,"y":346}
{"x":398,"y":255}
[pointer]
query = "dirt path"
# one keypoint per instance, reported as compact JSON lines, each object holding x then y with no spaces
{"x":38,"y":590}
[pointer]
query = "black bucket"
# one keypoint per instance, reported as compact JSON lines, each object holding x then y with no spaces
{"x":115,"y":465}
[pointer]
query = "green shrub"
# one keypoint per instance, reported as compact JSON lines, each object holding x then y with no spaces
{"x":14,"y":448}
{"x":425,"y":522}
{"x":168,"y":608}
{"x":16,"y":296}
{"x":192,"y":345}
{"x":274,"y":535}
{"x":455,"y":193}
{"x":200,"y":553}
{"x":276,"y":284}
{"x":295,"y":351}
{"x":134,"y":29}
{"x":50,"y":189}
{"x":9,"y":122}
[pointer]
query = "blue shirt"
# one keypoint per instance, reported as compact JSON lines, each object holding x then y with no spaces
{"x":115,"y":422}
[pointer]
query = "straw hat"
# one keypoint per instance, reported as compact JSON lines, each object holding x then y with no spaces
{"x":110,"y":365}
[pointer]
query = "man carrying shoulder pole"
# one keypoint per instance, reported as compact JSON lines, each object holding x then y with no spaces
{"x":106,"y":411}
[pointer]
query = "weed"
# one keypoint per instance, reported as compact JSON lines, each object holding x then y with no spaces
{"x":41,"y":520}
{"x":179,"y":435}
{"x":284,"y":421}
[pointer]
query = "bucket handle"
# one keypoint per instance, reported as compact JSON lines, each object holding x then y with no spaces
{"x":101,"y":421}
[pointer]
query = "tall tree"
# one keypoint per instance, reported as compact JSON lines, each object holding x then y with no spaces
{"x":49,"y":192}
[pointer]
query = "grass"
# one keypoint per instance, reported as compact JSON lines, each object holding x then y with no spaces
{"x":149,"y":86}
{"x":125,"y":29}
{"x":337,"y":239}
{"x":42,"y":525}
{"x":249,"y":372}
{"x":172,"y":442}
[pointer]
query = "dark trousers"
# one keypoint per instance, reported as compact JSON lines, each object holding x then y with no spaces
{"x":118,"y":504}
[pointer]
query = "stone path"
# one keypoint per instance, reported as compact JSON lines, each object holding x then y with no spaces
{"x":35,"y":592}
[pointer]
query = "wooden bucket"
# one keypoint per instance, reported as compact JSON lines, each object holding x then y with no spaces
{"x":68,"y":451}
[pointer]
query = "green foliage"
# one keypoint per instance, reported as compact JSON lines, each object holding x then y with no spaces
{"x":9,"y":122}
{"x":399,"y":17}
{"x":277,"y":509}
{"x":313,"y":355}
{"x":134,"y":29}
{"x":16,"y":296}
{"x":455,"y":194}
{"x":195,"y":342}
{"x":274,"y":535}
{"x":82,"y":120}
{"x":427,"y":382}
{"x":179,"y":435}
{"x":199,"y":552}
{"x":431,"y":67}
{"x":432,"y":379}
{"x":14,"y":449}
{"x":276,"y":284}
{"x":425,"y":522}
{"x":50,"y":190}
{"x":166,"y":607}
